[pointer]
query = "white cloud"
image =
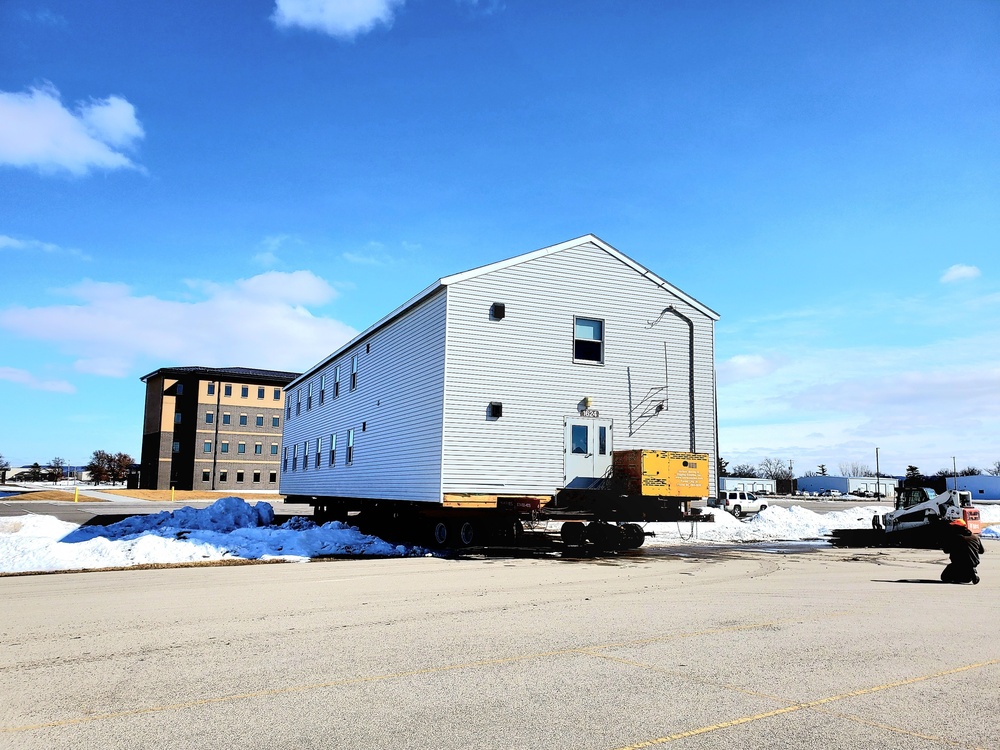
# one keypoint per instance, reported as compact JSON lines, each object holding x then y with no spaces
{"x":23,"y":377}
{"x":959,"y":272}
{"x":340,"y":18}
{"x":12,"y":243}
{"x":745,"y":367}
{"x":38,"y":131}
{"x":261,"y":321}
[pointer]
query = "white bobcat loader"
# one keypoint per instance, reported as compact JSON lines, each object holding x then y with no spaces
{"x":915,"y":522}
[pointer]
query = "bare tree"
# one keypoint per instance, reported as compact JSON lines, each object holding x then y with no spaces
{"x":56,"y":466}
{"x":970,"y":471}
{"x":745,"y":470}
{"x":775,"y":468}
{"x":993,"y":471}
{"x":5,"y":467}
{"x":855,"y":469}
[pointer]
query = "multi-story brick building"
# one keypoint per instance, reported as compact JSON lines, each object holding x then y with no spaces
{"x":213,"y":428}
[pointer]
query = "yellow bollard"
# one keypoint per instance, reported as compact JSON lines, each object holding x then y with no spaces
{"x":171,"y":494}
{"x":76,"y":495}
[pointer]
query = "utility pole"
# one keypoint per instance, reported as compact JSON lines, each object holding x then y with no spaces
{"x":878,"y":481}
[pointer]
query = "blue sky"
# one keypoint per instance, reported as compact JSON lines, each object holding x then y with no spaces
{"x":248,"y":183}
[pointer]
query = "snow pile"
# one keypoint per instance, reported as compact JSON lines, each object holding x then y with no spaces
{"x":229,"y":528}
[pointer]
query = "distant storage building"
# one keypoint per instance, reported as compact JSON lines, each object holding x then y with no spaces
{"x":514,"y":379}
{"x":982,"y":486}
{"x":884,"y":486}
{"x":748,"y":484}
{"x":213,"y":428}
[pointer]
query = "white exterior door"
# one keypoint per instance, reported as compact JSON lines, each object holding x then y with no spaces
{"x":588,"y":449}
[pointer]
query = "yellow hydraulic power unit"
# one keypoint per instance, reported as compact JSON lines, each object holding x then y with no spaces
{"x":662,"y":473}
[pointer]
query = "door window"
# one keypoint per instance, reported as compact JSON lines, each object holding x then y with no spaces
{"x":580,"y":438}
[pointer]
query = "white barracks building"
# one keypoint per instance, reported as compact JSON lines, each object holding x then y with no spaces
{"x":513,"y":379}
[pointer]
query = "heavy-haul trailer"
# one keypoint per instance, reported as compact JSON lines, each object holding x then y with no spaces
{"x":643,"y":486}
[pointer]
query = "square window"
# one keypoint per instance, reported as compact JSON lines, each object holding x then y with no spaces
{"x":223,"y":476}
{"x":206,"y":475}
{"x":177,"y":417}
{"x":176,"y":448}
{"x":274,"y":449}
{"x":209,"y":417}
{"x":260,"y":393}
{"x":227,"y":418}
{"x":208,"y":446}
{"x":277,"y":394}
{"x":260,"y":420}
{"x":244,"y":391}
{"x":258,"y":449}
{"x":180,"y":389}
{"x":210,"y":389}
{"x":243,"y":420}
{"x":256,"y":477}
{"x":239,"y":476}
{"x":274,"y":421}
{"x":227,"y":390}
{"x":241,"y":447}
{"x":588,"y":340}
{"x":224,"y":447}
{"x":272,"y":477}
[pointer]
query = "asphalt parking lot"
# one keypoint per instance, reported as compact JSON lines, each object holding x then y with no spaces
{"x":738,"y":648}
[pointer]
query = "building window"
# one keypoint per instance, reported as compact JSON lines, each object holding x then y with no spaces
{"x":180,"y":389}
{"x":319,"y":450}
{"x":224,"y":447}
{"x":588,"y":340}
{"x":256,"y":477}
{"x":208,"y":446}
{"x":602,"y":440}
{"x":288,"y":411}
{"x":305,"y":455}
{"x":260,"y":393}
{"x":350,"y":446}
{"x":258,"y":449}
{"x":333,"y":450}
{"x":239,"y":476}
{"x":336,"y":381}
{"x":210,"y":389}
{"x":309,"y":398}
{"x":227,"y":390}
{"x":354,"y":372}
{"x":241,"y":447}
{"x":244,"y":391}
{"x":206,"y":475}
{"x":322,"y":389}
{"x":298,"y":401}
{"x":223,"y":476}
{"x":284,"y":459}
{"x":260,"y":420}
{"x":227,"y":418}
{"x":272,"y":477}
{"x":275,"y":421}
{"x":176,"y":448}
{"x":277,"y":394}
{"x":243,"y":420}
{"x":177,"y":417}
{"x":274,"y":449}
{"x":295,"y":457}
{"x":209,"y":417}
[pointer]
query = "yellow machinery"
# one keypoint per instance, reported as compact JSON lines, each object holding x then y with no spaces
{"x":662,"y":473}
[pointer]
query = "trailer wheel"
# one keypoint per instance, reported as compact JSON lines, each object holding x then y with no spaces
{"x":465,"y":533}
{"x":634,"y":535}
{"x":439,"y":533}
{"x":573,"y":533}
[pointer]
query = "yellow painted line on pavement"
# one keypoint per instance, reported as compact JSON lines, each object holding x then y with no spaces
{"x":801,"y":706}
{"x":582,"y":650}
{"x":898,"y":730}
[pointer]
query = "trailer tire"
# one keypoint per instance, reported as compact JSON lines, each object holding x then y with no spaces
{"x":439,"y":533}
{"x":573,"y":533}
{"x":464,"y":533}
{"x":634,"y":535}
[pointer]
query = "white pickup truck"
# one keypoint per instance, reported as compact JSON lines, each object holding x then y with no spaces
{"x":737,"y":502}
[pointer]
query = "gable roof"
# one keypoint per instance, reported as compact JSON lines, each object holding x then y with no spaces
{"x":445,"y":281}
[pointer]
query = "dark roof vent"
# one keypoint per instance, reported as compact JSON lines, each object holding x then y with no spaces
{"x":496,"y":410}
{"x":498,"y":310}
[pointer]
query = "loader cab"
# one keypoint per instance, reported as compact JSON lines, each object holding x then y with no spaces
{"x":910,"y":496}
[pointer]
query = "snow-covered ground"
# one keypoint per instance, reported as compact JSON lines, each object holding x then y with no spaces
{"x":231,"y":528}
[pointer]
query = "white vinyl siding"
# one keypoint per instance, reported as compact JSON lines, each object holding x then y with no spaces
{"x":398,"y":456}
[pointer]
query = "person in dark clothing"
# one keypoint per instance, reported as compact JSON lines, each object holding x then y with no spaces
{"x":964,"y":549}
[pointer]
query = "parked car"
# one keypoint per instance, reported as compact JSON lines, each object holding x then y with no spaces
{"x":737,"y":503}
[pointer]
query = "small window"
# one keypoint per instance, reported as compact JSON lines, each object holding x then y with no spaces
{"x":223,"y":476}
{"x":209,"y":417}
{"x":322,"y":389}
{"x":206,"y":475}
{"x":227,"y":418}
{"x":368,"y":348}
{"x":602,"y":440}
{"x":298,"y":401}
{"x":274,"y":449}
{"x":284,"y":459}
{"x":208,"y":446}
{"x":243,"y":420}
{"x":309,"y":398}
{"x":288,"y":412}
{"x":260,"y":393}
{"x":336,"y":381}
{"x":256,"y":477}
{"x":227,"y":390}
{"x":244,"y":391}
{"x":295,"y":457}
{"x":580,"y":438}
{"x":305,"y":455}
{"x":350,"y":446}
{"x":495,"y":410}
{"x":277,"y":394}
{"x":177,"y":417}
{"x":180,"y":389}
{"x":260,"y":420}
{"x":272,"y":477}
{"x":224,"y":447}
{"x":241,"y":447}
{"x":354,"y":372}
{"x":588,"y":341}
{"x":210,"y":389}
{"x":498,"y":311}
{"x":319,"y":450}
{"x":333,"y":450}
{"x":239,"y":476}
{"x":275,"y":421}
{"x":176,"y":448}
{"x":258,"y":449}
